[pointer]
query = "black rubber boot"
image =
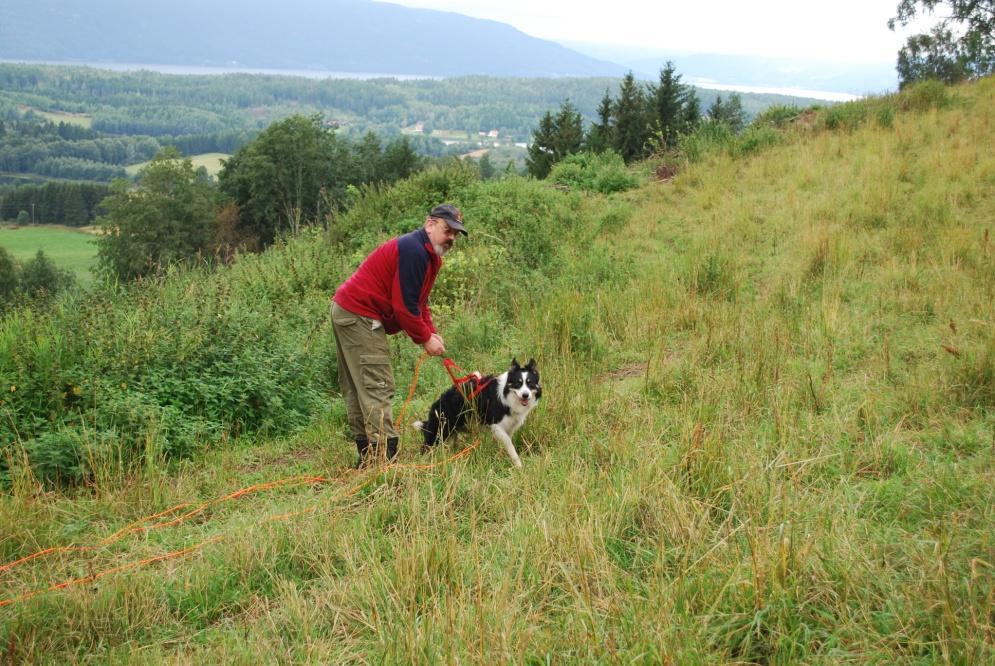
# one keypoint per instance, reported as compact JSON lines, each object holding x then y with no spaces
{"x":363,"y":447}
{"x":391,"y":449}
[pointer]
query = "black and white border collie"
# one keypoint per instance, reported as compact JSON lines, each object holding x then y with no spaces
{"x":503,"y":404}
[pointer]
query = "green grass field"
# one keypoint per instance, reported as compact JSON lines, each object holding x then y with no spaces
{"x":69,"y":249}
{"x":767,"y":436}
{"x":210,"y":161}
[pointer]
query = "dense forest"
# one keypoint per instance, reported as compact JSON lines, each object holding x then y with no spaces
{"x":172,"y":105}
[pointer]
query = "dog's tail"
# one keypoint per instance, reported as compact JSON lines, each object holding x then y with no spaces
{"x":417,"y":425}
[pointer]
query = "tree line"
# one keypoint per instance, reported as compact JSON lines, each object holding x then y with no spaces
{"x":34,"y":145}
{"x":163,"y":104}
{"x":641,"y":120}
{"x":30,"y":144}
{"x":295,"y":173}
{"x":72,"y":204}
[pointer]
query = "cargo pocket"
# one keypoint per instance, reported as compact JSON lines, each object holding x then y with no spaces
{"x":376,"y":375}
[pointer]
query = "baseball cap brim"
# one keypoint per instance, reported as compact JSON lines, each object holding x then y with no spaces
{"x":452,"y":215}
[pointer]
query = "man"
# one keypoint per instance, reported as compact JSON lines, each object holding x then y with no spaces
{"x":387,"y":294}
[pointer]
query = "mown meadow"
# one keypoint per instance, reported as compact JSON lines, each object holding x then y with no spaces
{"x":70,"y":249}
{"x":766,"y":436}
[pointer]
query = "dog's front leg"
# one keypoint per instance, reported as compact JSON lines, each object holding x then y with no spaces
{"x":509,"y":446}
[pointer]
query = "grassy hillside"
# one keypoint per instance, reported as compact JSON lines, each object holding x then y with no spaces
{"x":767,"y":433}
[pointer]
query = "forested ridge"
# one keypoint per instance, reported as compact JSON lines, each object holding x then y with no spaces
{"x":164,"y":104}
{"x":62,"y":123}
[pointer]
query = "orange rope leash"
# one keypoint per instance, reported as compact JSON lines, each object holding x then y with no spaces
{"x":140,"y":525}
{"x":196,"y":547}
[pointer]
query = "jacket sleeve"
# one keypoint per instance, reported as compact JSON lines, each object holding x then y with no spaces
{"x":412,"y":266}
{"x":427,"y":316}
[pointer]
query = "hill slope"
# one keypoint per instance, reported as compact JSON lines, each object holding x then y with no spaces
{"x":333,"y":35}
{"x":766,"y":433}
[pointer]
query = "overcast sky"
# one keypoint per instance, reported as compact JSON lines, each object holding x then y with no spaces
{"x":844,"y":30}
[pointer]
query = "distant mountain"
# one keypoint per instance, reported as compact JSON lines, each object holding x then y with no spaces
{"x":810,"y":73}
{"x":331,"y":35}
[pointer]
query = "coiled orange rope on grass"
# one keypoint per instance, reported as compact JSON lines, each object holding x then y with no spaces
{"x":142,"y":526}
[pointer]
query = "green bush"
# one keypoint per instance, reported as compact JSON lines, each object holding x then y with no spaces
{"x":777,"y":115}
{"x":176,"y":361}
{"x":847,"y":116}
{"x":40,"y":278}
{"x":924,"y":95}
{"x":594,"y":172}
{"x":756,"y":138}
{"x":886,"y":116}
{"x":708,"y":137}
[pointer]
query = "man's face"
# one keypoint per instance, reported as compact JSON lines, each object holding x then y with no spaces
{"x":441,"y":235}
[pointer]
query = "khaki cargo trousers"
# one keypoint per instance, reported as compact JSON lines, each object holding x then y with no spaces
{"x":365,"y":375}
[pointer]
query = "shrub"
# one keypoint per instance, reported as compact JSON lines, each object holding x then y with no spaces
{"x":594,"y":172}
{"x":708,"y":137}
{"x":757,"y":137}
{"x":886,"y":116}
{"x":924,"y":95}
{"x":777,"y":115}
{"x":40,"y":278}
{"x":847,"y":116}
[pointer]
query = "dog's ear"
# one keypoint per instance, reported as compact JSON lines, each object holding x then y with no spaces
{"x":514,"y":363}
{"x":531,"y":365}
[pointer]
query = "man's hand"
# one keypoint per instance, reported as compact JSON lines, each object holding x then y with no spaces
{"x":434,"y":347}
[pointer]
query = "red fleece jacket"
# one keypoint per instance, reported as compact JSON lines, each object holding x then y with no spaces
{"x":393,"y":284}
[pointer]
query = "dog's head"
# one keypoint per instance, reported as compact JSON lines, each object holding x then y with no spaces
{"x":522,"y":388}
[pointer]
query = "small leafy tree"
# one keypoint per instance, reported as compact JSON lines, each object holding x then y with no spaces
{"x":959,"y":47}
{"x":40,"y":278}
{"x":282,"y":178}
{"x":167,"y":217}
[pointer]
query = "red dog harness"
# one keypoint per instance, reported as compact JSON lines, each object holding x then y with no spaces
{"x":459,"y":382}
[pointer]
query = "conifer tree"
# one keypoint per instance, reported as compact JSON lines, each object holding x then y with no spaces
{"x":630,"y":128}
{"x":599,"y":138}
{"x":691,"y":116}
{"x":568,"y":132}
{"x":715,"y":110}
{"x":668,"y":102}
{"x":540,"y":158}
{"x":735,"y":117}
{"x":486,"y":167}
